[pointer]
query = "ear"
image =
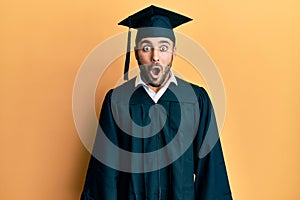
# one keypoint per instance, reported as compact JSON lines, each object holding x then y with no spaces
{"x":174,"y":51}
{"x":136,"y":53}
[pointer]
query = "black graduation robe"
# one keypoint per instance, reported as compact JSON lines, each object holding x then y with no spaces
{"x":175,"y":181}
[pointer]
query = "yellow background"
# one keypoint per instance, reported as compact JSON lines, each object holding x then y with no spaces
{"x":255,"y":44}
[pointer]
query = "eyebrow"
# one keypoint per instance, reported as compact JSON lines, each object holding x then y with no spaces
{"x":164,"y":42}
{"x":145,"y":41}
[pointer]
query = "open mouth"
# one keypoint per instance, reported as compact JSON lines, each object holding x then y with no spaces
{"x":155,"y":72}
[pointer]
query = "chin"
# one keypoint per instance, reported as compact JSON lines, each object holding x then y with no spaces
{"x":156,"y":83}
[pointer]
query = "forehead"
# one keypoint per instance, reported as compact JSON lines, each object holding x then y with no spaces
{"x":155,"y":41}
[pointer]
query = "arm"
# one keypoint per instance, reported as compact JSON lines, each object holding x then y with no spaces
{"x":211,"y":182}
{"x":101,"y":180}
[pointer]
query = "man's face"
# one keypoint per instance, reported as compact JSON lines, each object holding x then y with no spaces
{"x":155,"y":56}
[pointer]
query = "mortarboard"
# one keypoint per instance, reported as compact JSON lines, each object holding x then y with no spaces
{"x":151,"y":22}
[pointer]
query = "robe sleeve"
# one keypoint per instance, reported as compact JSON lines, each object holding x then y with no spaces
{"x":101,"y":180}
{"x":211,"y":180}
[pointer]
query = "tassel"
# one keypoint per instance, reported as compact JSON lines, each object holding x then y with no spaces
{"x":127,"y":59}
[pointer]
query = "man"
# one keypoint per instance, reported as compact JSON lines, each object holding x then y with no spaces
{"x":161,"y":117}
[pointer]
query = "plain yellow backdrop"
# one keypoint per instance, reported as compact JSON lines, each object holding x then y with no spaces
{"x":255,"y":44}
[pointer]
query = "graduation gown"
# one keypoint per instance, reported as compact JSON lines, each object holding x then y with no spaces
{"x":189,"y":177}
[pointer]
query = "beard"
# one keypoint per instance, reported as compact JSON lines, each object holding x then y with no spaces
{"x":155,"y":74}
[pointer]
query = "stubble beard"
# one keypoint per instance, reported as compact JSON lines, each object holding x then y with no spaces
{"x":155,"y":82}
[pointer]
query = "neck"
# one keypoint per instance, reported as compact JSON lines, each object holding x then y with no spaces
{"x":155,"y":89}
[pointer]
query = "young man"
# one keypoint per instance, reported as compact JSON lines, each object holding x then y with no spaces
{"x":159,"y":123}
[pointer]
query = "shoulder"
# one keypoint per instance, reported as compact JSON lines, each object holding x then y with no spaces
{"x":128,"y":85}
{"x":199,"y":91}
{"x":122,"y":91}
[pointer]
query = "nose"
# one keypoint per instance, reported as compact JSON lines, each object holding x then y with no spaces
{"x":155,"y":55}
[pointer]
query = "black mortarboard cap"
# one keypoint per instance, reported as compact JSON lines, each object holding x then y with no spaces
{"x":151,"y":22}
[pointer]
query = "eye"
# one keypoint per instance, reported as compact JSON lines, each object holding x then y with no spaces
{"x":164,"y":48}
{"x":146,"y":48}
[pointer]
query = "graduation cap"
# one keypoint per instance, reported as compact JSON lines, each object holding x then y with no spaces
{"x":151,"y":22}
